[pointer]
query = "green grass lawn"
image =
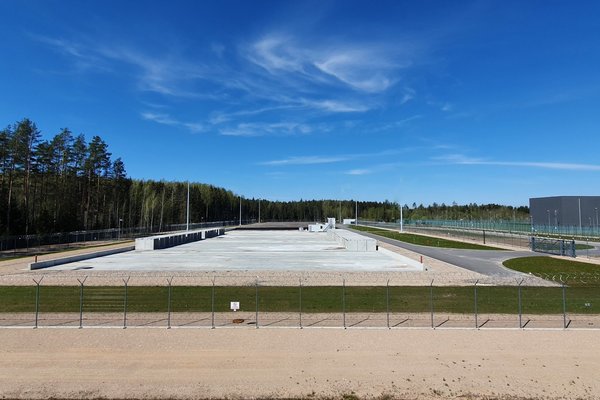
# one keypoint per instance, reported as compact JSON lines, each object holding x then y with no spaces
{"x":423,"y":240}
{"x":572,"y":273}
{"x":325,"y":299}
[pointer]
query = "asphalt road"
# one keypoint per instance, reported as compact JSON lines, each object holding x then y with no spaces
{"x":486,"y":262}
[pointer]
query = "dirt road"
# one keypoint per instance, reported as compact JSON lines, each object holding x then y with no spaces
{"x":283,"y":363}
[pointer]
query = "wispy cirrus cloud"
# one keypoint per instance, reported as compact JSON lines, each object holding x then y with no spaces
{"x":358,"y":172}
{"x":305,"y":160}
{"x":300,"y":79}
{"x":329,"y":159}
{"x":267,"y":129}
{"x":166,"y":119}
{"x":464,"y":160}
{"x":364,"y":67}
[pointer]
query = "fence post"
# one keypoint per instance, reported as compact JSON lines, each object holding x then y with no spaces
{"x":520,"y":309}
{"x":564,"y":299}
{"x":37,"y":300}
{"x":475,"y":287}
{"x":300,"y":299}
{"x":256,"y":285}
{"x":125,"y":281}
{"x":169,"y":280}
{"x":81,"y":282}
{"x":431,"y":302}
{"x":212,"y":304}
{"x":387,"y":302}
{"x":344,"y":302}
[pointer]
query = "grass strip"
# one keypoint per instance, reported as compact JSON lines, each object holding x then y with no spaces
{"x":315,"y":299}
{"x":572,"y":273}
{"x":423,"y":240}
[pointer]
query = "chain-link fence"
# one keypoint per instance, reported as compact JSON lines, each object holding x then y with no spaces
{"x":33,"y":243}
{"x":302,"y":302}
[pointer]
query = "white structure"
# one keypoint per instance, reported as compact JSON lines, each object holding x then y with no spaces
{"x":352,"y":241}
{"x":322,"y":227}
{"x":349,"y":221}
{"x":175,"y":239}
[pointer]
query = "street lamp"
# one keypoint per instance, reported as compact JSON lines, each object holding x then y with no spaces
{"x":555,"y":219}
{"x":119,"y":235}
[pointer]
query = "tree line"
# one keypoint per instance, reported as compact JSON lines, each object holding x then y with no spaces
{"x":67,"y":183}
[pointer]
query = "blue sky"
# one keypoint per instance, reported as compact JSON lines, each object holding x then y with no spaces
{"x":410,"y":101}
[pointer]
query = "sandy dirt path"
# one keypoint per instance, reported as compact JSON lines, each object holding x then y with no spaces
{"x":250,"y":363}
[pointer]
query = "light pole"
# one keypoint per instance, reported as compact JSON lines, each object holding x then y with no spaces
{"x":356,"y":220}
{"x":187,"y":223}
{"x":401,"y":220}
{"x":555,"y":219}
{"x":119,"y":235}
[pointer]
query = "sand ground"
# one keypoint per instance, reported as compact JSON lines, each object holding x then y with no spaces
{"x":283,"y":363}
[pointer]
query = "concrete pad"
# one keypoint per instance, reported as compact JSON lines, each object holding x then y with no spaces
{"x":253,"y":251}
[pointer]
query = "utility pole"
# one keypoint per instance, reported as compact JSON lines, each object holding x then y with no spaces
{"x":401,"y":220}
{"x":187,"y":224}
{"x":580,"y":230}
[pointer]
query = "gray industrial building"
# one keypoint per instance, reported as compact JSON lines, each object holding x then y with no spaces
{"x":562,"y":211}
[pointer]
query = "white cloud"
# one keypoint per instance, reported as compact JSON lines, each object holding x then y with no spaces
{"x":267,"y":129}
{"x":358,"y":68}
{"x":358,"y":172}
{"x":336,"y":106}
{"x":306,"y":160}
{"x":463,"y":160}
{"x":367,"y":67}
{"x":166,"y":119}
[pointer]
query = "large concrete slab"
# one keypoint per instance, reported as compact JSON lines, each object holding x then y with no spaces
{"x":253,"y":251}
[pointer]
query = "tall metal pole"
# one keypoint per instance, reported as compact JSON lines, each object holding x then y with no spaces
{"x":564,"y":299}
{"x":240,"y":210}
{"x":580,"y":229}
{"x":169,"y":304}
{"x":37,"y":300}
{"x":344,"y":302}
{"x":81,"y":282}
{"x":256,"y":302}
{"x":475,"y":287}
{"x":356,"y":214}
{"x":401,"y":220}
{"x":125,"y":304}
{"x":387,"y":302}
{"x":187,"y":224}
{"x":520,"y":309}
{"x":259,"y":211}
{"x":212,"y":304}
{"x":431,"y":302}
{"x":300,"y":303}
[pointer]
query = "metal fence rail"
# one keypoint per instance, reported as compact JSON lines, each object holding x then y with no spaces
{"x":173,"y":301}
{"x":27,"y":242}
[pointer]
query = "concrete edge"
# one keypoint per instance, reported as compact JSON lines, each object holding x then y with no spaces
{"x":79,"y":257}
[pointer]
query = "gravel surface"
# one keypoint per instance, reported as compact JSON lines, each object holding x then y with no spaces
{"x":282,"y":363}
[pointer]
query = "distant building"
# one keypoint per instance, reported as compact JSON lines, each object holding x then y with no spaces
{"x":579,"y":211}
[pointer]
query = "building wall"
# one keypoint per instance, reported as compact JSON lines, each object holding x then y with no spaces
{"x":564,"y":211}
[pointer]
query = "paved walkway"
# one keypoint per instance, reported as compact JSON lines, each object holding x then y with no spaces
{"x":486,"y":262}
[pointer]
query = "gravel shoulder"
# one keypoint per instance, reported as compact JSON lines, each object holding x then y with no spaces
{"x":282,"y":363}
